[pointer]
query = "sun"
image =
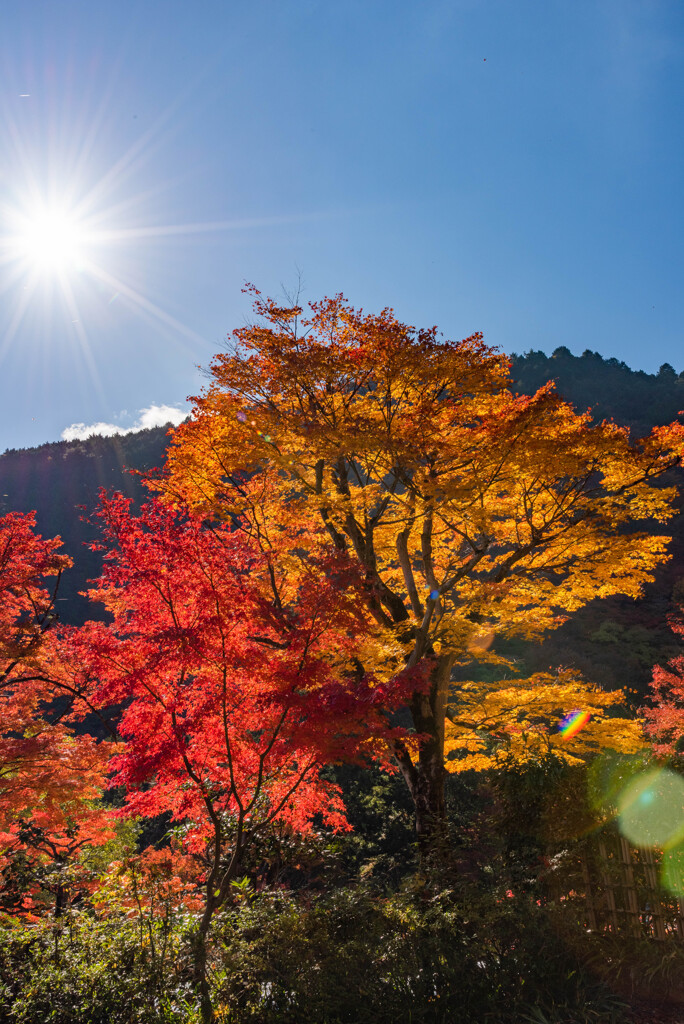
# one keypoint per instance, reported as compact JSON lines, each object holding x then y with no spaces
{"x":61,"y":246}
{"x":50,"y":240}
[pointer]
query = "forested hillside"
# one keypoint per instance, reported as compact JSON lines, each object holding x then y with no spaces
{"x":614,"y":642}
{"x":61,"y":481}
{"x":608,"y":386}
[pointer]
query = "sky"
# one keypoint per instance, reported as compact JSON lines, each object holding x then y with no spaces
{"x":481,"y":165}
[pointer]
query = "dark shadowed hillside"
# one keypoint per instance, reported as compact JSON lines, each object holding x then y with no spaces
{"x":57,"y":479}
{"x":631,"y":397}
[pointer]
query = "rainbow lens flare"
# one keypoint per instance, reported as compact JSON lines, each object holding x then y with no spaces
{"x":572,"y":723}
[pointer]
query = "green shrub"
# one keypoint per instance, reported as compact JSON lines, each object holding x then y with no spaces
{"x":91,"y":972}
{"x":355,"y":958}
{"x":350,"y":956}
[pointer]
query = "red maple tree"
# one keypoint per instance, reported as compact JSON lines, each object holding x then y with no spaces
{"x":49,"y":777}
{"x":235,"y":694}
{"x":665,"y":717}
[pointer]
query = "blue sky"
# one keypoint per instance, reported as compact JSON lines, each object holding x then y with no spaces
{"x":513,"y":168}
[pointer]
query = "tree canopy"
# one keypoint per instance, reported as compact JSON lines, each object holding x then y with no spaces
{"x":471,"y":511}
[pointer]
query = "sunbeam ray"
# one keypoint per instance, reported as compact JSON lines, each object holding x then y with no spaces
{"x":144,"y":303}
{"x":17,"y":317}
{"x":85,"y":347}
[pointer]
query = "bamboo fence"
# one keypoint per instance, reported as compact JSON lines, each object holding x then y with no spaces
{"x":617,"y":891}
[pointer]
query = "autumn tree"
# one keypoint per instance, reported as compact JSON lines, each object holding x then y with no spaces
{"x":232,"y":702}
{"x":54,"y":819}
{"x":471,"y":512}
{"x":27,"y":608}
{"x":50,"y":778}
{"x":664,"y":716}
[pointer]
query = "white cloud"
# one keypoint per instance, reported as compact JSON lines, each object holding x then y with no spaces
{"x":79,"y":431}
{"x":159,"y":415}
{"x":152,"y":416}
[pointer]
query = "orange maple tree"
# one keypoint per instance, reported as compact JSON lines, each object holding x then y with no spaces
{"x":470,"y":511}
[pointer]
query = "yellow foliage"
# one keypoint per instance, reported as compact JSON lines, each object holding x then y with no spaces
{"x":490,"y":724}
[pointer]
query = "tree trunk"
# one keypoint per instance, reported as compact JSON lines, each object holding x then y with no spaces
{"x":200,"y":971}
{"x":59,"y":901}
{"x":425,"y":776}
{"x":200,"y":950}
{"x":428,"y":797}
{"x":60,"y":894}
{"x":217,"y":889}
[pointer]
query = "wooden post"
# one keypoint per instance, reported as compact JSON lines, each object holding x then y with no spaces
{"x":646,"y":855}
{"x":589,"y":894}
{"x":679,"y":925}
{"x":631,"y":901}
{"x":608,"y":887}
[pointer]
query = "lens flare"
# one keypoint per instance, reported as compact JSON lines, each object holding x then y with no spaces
{"x":651,"y":808}
{"x":480,"y":644}
{"x":572,"y":723}
{"x":672,"y":870}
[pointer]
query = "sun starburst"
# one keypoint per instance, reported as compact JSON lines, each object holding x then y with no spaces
{"x":50,"y":240}
{"x":73,"y":242}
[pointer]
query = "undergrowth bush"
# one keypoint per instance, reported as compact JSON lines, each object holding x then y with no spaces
{"x":641,"y":968}
{"x":352,"y":956}
{"x":92,"y":971}
{"x":344,"y":930}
